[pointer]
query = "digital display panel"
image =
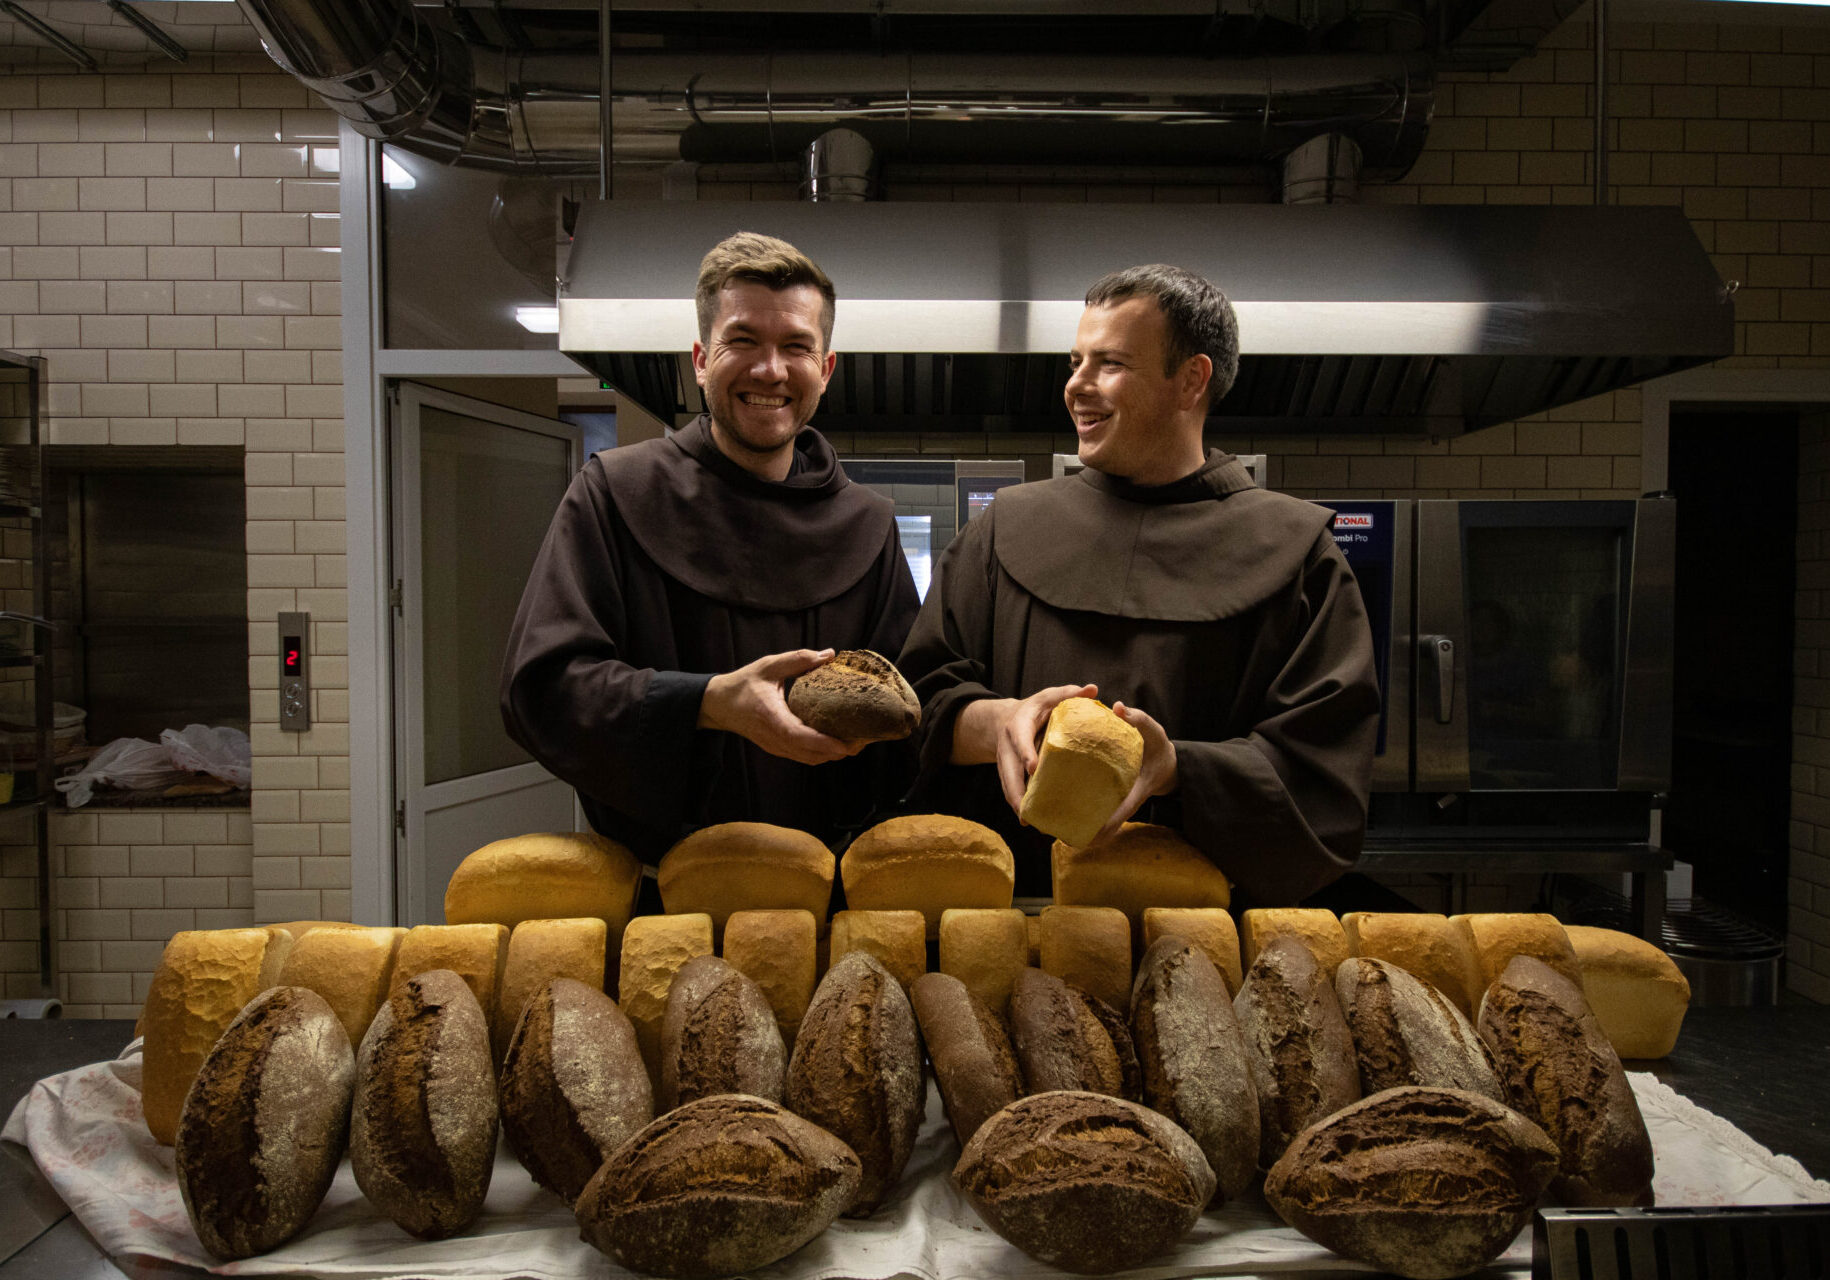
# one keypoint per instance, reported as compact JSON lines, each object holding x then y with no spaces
{"x":292,"y":655}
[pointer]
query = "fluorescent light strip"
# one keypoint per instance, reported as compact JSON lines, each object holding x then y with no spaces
{"x":538,"y":319}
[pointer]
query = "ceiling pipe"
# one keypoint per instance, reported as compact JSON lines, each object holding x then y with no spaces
{"x":1324,"y":170}
{"x":841,"y":164}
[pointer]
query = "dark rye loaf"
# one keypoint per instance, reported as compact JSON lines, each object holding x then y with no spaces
{"x":859,"y":696}
{"x":423,"y":1127}
{"x":719,"y":1035}
{"x":1558,"y":1069}
{"x":573,"y":1085}
{"x":1302,"y":1057}
{"x":1065,"y":1039}
{"x":1196,"y":1067}
{"x":1084,"y":1181}
{"x":1406,"y":1032}
{"x":717,"y":1187}
{"x":1421,"y":1182}
{"x":264,"y":1124}
{"x":856,"y":1071}
{"x":974,"y":1063}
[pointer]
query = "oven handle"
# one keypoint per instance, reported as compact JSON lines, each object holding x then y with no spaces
{"x":1440,"y":650}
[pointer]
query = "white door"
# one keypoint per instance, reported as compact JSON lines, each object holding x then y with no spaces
{"x":475,"y":486}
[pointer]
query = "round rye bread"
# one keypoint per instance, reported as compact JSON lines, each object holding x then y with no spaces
{"x":718,"y":1036}
{"x":859,"y":697}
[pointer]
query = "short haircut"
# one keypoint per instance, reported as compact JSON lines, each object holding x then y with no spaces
{"x":1196,"y":314}
{"x":766,"y":261}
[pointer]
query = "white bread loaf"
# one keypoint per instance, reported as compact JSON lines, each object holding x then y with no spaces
{"x":654,"y":949}
{"x":538,"y":952}
{"x":1426,"y":946}
{"x":350,"y":967}
{"x":928,"y":862}
{"x":1319,"y":931}
{"x":1209,"y":928}
{"x":1636,"y":992}
{"x":477,"y":953}
{"x":1495,"y":937}
{"x":299,"y":928}
{"x":779,"y":952}
{"x":1089,"y":760}
{"x":899,"y":940}
{"x":204,"y":978}
{"x":985,"y":948}
{"x":1089,"y":948}
{"x":549,"y":876}
{"x":747,"y":866}
{"x":1139,"y":866}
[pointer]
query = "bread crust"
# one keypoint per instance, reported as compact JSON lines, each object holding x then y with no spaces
{"x":1302,"y":1058}
{"x":1088,"y":762}
{"x":974,"y":1062}
{"x":718,"y":1036}
{"x":1406,"y":1032}
{"x":746,"y":866}
{"x":545,"y":876}
{"x":1062,"y":1043}
{"x":1137,"y":867}
{"x":927,"y":862}
{"x":859,"y":696}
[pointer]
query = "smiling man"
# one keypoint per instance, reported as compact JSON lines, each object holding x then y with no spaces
{"x":685,"y":581}
{"x":1217,"y":618}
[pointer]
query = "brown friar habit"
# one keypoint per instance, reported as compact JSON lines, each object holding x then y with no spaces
{"x":1223,"y":610}
{"x":665,"y":564}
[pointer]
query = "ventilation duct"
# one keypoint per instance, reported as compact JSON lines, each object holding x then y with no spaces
{"x":1324,"y":170}
{"x":841,"y":165}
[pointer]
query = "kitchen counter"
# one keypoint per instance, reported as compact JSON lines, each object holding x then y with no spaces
{"x":1761,"y":1069}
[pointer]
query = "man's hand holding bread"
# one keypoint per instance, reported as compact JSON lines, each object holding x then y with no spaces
{"x":752,"y":703}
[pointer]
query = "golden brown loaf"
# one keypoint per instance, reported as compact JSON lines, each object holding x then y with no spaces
{"x":549,"y":876}
{"x":204,"y":978}
{"x":1495,"y":937}
{"x":1089,"y":760}
{"x":779,"y":952}
{"x":1319,"y":931}
{"x":858,"y":697}
{"x":1209,"y":928}
{"x":746,"y":866}
{"x":350,"y":967}
{"x":477,"y":953}
{"x":1089,"y":948}
{"x":1137,"y":867}
{"x":1637,"y":993}
{"x":1428,"y":947}
{"x":985,"y":948}
{"x":538,"y":952}
{"x":654,"y":948}
{"x":899,"y":939}
{"x":928,"y":862}
{"x":299,"y":928}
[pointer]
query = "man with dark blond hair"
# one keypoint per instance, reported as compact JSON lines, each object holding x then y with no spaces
{"x":684,"y":582}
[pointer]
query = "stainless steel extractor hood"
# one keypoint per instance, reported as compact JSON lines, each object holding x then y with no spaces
{"x":957,"y":317}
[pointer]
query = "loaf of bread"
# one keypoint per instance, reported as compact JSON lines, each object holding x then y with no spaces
{"x":574,"y":1088}
{"x":654,"y":949}
{"x":985,"y":948}
{"x":718,"y":1036}
{"x":1495,"y":937}
{"x":350,"y":967}
{"x":204,"y":978}
{"x":1428,"y":947}
{"x":1033,"y":927}
{"x":974,"y":1062}
{"x":1637,"y":993}
{"x":719,"y":1187}
{"x":1193,"y":1058}
{"x":1063,"y":1041}
{"x":856,"y":1072}
{"x":1319,"y":931}
{"x":1089,"y":760}
{"x":899,"y":940}
{"x":551,"y":876}
{"x":1085,"y":1182}
{"x":423,"y":1126}
{"x":1302,"y":1055}
{"x":857,"y":697}
{"x":746,"y":866}
{"x":1406,"y":1032}
{"x":1089,"y":948}
{"x":477,"y":953}
{"x":1418,"y":1182}
{"x":265,"y":1123}
{"x":927,"y":862}
{"x":1557,"y":1069}
{"x":299,"y":928}
{"x":779,"y":952}
{"x":538,"y":952}
{"x":1209,"y":928}
{"x":1137,"y":867}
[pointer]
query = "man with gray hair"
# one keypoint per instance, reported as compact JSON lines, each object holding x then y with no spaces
{"x":1217,"y":618}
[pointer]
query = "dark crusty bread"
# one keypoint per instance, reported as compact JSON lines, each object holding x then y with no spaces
{"x":1085,"y":1182}
{"x":1421,"y":1182}
{"x":718,"y":1035}
{"x":1195,"y":1064}
{"x":574,"y":1087}
{"x":1407,"y":1032}
{"x":1302,"y":1059}
{"x":856,"y":1071}
{"x":264,"y":1123}
{"x":1558,"y":1069}
{"x":717,"y":1187}
{"x":423,"y":1127}
{"x":974,"y":1063}
{"x":1063,"y":1043}
{"x":859,"y":696}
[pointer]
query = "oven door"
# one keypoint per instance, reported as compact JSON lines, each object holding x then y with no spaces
{"x":1543,"y":645}
{"x":1375,"y":536}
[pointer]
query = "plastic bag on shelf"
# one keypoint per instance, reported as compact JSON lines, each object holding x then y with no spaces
{"x":130,"y":763}
{"x":221,"y":752}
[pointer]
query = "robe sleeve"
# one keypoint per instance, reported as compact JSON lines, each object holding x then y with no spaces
{"x":1282,"y":810}
{"x":948,"y":655}
{"x":625,"y":736}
